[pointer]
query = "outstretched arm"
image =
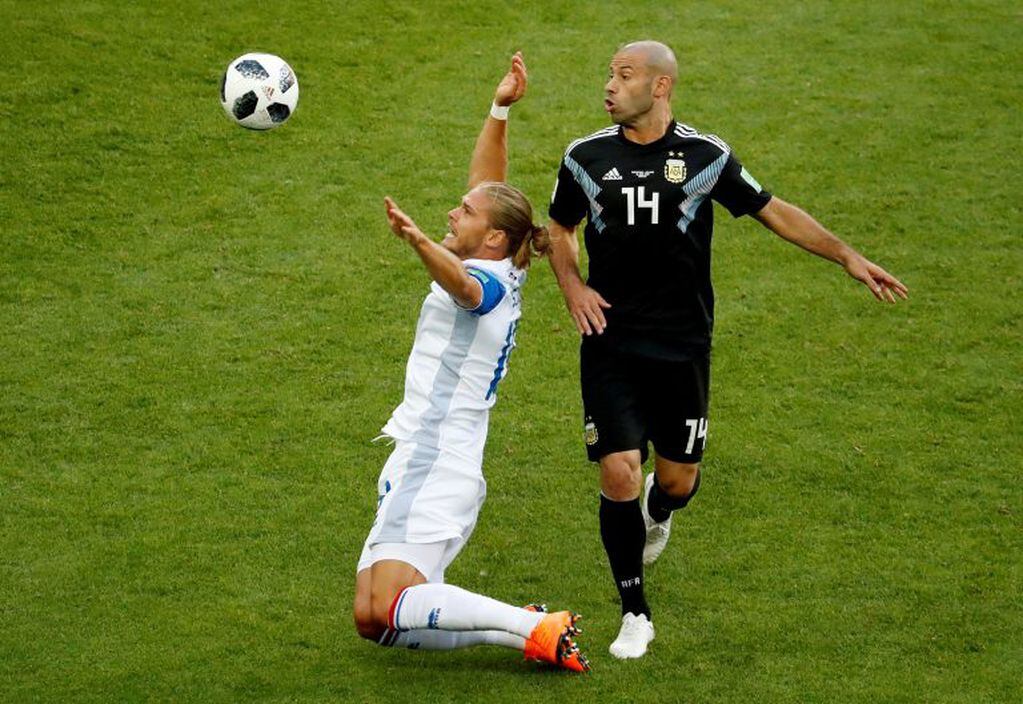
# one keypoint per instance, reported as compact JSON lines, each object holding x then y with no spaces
{"x":797,"y":226}
{"x":490,"y":156}
{"x":444,"y":267}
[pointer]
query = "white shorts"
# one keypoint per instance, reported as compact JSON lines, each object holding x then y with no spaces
{"x":425,"y":497}
{"x":431,"y":559}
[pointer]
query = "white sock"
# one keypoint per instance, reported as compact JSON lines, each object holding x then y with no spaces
{"x":422,"y":639}
{"x":449,"y":608}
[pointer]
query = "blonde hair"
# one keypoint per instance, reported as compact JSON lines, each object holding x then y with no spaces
{"x":511,"y":212}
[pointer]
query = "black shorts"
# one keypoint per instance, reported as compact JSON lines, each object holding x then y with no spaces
{"x":629,"y":401}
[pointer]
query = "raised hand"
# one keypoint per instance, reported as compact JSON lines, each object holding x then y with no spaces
{"x":401,"y":224}
{"x":513,"y":86}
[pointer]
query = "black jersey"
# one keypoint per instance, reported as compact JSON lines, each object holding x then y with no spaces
{"x":648,"y":231}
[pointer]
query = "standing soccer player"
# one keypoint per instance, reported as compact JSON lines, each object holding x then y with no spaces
{"x":432,"y":486}
{"x":645,"y":186}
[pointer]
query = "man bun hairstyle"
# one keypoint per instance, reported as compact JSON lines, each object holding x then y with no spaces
{"x":511,"y":212}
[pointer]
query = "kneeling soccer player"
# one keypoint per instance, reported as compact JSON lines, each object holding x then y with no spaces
{"x":432,"y":486}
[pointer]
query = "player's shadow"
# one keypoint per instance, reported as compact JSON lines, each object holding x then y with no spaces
{"x":411,"y":663}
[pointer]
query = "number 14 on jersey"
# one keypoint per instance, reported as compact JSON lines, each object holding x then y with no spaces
{"x":635,"y":199}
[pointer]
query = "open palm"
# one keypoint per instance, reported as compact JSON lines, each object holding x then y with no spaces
{"x":513,"y":86}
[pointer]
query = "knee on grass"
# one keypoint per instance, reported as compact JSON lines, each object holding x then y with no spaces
{"x":367,"y":626}
{"x":371,"y":616}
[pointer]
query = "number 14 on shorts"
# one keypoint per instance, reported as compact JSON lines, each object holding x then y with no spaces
{"x":697,"y":428}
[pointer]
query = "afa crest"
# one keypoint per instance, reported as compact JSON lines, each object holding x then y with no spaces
{"x":675,"y":168}
{"x":590,"y":432}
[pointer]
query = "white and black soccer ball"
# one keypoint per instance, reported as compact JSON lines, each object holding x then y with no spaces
{"x":259,"y":91}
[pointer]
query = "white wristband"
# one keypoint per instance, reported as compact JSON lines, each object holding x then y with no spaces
{"x":498,"y":112}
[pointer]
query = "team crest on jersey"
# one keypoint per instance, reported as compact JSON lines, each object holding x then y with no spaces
{"x":590,"y":432}
{"x":675,"y":168}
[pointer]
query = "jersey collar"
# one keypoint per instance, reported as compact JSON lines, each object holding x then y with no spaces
{"x":656,"y":144}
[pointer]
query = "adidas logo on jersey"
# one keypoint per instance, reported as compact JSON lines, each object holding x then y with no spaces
{"x":612,"y":175}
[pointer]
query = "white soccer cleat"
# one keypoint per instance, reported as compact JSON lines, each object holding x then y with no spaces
{"x":656,"y":533}
{"x":633,"y":638}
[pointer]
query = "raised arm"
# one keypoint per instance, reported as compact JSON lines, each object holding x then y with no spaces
{"x":444,"y":267}
{"x":490,"y":156}
{"x":797,"y":226}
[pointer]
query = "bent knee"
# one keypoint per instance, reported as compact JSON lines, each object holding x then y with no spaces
{"x":680,"y":481}
{"x":380,"y":607}
{"x":369,"y":622}
{"x":368,"y":626}
{"x":621,"y":476}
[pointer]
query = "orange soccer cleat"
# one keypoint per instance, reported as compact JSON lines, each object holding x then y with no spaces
{"x":551,"y":642}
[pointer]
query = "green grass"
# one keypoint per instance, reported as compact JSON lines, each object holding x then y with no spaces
{"x":202,"y":328}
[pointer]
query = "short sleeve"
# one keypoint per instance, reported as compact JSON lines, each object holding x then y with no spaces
{"x":568,"y":202}
{"x":493,"y":291}
{"x":738,"y":191}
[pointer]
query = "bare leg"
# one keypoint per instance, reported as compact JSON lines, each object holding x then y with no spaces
{"x":378,"y":586}
{"x":375,"y":589}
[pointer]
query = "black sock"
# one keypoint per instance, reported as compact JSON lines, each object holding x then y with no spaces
{"x":659,"y":505}
{"x":624,"y":533}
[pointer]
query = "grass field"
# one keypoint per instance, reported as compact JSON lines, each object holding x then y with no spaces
{"x":203,"y":327}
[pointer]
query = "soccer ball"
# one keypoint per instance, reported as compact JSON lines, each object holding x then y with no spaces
{"x":259,"y":91}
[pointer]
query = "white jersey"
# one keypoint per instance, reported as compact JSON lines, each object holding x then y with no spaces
{"x":457,"y":360}
{"x":432,"y":487}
